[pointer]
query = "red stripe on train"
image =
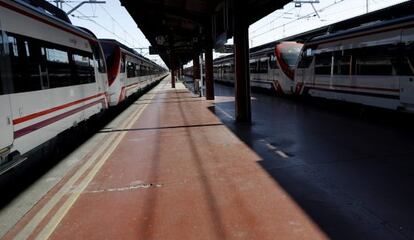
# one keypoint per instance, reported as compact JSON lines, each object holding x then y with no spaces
{"x":39,"y":125}
{"x":42,"y":113}
{"x":354,"y":87}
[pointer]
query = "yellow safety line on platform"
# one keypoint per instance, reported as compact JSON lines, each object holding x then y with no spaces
{"x":53,"y":223}
{"x":57,"y":218}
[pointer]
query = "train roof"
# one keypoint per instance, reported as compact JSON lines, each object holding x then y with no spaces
{"x":363,"y":28}
{"x":53,"y":14}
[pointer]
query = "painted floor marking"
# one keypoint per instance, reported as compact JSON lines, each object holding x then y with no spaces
{"x":268,"y":145}
{"x":275,"y":149}
{"x":282,"y":154}
{"x":224,"y":112}
{"x":57,"y":218}
{"x":36,"y":220}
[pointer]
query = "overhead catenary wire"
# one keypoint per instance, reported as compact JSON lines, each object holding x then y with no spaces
{"x":378,"y":5}
{"x":120,"y":25}
{"x":85,"y":17}
{"x":309,"y":15}
{"x":273,"y":20}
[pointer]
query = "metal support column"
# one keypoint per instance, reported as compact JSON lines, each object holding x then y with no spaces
{"x":173,"y":70}
{"x":209,"y":74}
{"x":196,"y":69}
{"x":182,"y":71}
{"x":241,"y":52}
{"x":202,"y":78}
{"x":173,"y":78}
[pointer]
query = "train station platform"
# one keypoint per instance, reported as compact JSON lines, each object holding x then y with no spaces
{"x":170,"y":170}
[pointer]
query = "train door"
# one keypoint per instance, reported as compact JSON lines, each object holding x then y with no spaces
{"x":6,"y":126}
{"x":407,"y":78}
{"x":101,"y":73}
{"x":407,"y":89}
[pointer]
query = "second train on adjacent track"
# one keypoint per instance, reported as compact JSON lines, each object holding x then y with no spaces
{"x":371,"y":64}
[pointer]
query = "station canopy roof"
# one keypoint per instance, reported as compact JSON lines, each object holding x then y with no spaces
{"x":183,"y":28}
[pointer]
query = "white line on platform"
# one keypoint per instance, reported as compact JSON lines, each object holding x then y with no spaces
{"x":274,"y":149}
{"x":224,"y":112}
{"x":282,"y":154}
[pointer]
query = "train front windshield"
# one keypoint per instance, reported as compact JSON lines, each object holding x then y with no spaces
{"x":290,"y":53}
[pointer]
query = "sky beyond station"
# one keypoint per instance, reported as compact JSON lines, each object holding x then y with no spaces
{"x":111,"y":20}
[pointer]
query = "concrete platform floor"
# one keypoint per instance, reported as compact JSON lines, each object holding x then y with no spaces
{"x":170,"y":170}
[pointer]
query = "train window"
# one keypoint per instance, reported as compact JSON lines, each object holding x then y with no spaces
{"x":122,"y":63}
{"x":15,"y":62}
{"x":273,"y":62}
{"x":24,"y":68}
{"x":323,"y":63}
{"x":2,"y":69}
{"x":141,"y":70}
{"x":131,"y":69}
{"x":374,"y":66}
{"x":227,"y":68}
{"x":342,"y":63}
{"x":217,"y":69}
{"x":263,"y":66}
{"x":305,"y":59}
{"x":57,"y":56}
{"x":26,"y":46}
{"x":37,"y":65}
{"x":13,"y":46}
{"x":137,"y":71}
{"x":378,"y":60}
{"x":406,"y":65}
{"x":83,"y":68}
{"x":33,"y":63}
{"x":58,"y":68}
{"x":97,"y":53}
{"x":253,"y":66}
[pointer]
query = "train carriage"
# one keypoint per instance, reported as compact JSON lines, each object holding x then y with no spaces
{"x":270,"y":68}
{"x":128,"y":71}
{"x":52,"y":75}
{"x":371,"y":64}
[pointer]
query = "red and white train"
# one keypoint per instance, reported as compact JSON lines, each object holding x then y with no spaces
{"x":270,"y":68}
{"x":371,"y":64}
{"x":128,"y":71}
{"x":53,"y":77}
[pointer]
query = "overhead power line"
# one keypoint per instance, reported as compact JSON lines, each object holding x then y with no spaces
{"x":273,"y":20}
{"x":309,"y":15}
{"x":84,"y":17}
{"x":120,"y":25}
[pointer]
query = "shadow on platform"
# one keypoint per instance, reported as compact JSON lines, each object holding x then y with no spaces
{"x":350,"y":171}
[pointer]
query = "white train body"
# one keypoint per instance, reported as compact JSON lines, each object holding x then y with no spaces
{"x":270,"y":68}
{"x":371,"y":65}
{"x":128,"y":72}
{"x":52,"y":77}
